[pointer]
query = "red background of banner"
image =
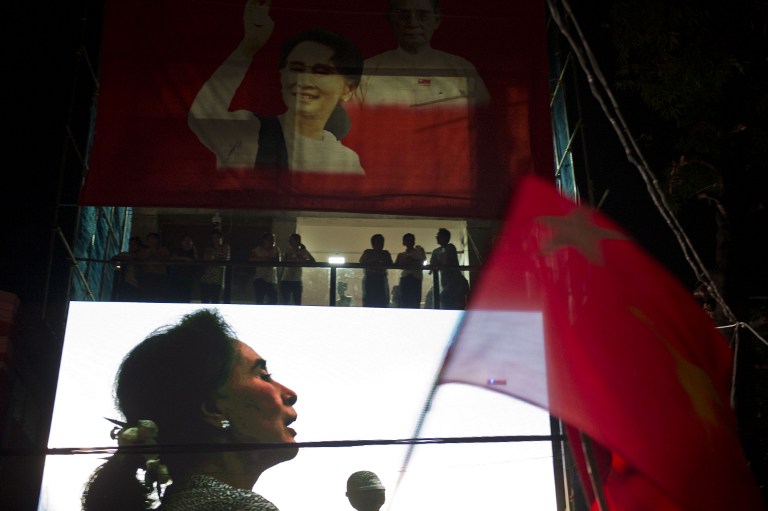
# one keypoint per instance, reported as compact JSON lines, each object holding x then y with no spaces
{"x":156,"y":56}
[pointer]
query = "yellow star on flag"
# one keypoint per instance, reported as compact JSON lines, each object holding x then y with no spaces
{"x":576,"y":230}
{"x":693,"y":379}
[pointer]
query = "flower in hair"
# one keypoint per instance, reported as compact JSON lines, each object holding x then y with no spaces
{"x":156,"y":472}
{"x":144,"y":433}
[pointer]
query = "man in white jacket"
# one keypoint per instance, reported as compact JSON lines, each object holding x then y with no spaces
{"x":414,"y":74}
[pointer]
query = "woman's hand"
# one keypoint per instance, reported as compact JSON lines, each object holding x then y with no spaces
{"x":257,"y":26}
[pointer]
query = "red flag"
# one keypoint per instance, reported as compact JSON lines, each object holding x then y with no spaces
{"x":573,"y":316}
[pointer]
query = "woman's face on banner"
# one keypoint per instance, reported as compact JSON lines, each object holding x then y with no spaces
{"x":312,"y":86}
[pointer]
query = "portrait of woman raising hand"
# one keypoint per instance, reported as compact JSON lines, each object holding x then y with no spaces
{"x":319,"y":71}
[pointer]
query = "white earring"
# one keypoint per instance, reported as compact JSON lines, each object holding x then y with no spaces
{"x":225,"y":424}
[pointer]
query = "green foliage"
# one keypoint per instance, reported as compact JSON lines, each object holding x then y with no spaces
{"x":699,"y":68}
{"x":666,"y":53}
{"x":690,"y":179}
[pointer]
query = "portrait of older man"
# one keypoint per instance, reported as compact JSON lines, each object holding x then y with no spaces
{"x":414,"y":74}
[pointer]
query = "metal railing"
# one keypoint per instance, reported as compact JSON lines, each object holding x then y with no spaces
{"x":238,"y":274}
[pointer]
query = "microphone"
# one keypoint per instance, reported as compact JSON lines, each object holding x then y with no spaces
{"x":365,"y":491}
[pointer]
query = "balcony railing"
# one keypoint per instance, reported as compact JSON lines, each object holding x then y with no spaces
{"x":324,"y":283}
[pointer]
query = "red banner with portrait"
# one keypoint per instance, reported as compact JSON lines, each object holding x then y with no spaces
{"x":398,"y":107}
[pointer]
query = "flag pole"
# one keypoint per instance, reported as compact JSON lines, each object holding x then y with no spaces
{"x":592,"y":470}
{"x":427,"y":406}
{"x":416,"y":434}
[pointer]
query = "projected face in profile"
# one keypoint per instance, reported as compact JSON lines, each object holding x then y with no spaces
{"x":347,"y":394}
{"x":311,"y":83}
{"x":259,"y":408}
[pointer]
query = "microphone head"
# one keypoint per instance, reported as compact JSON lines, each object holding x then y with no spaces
{"x":363,"y":481}
{"x":365,"y":491}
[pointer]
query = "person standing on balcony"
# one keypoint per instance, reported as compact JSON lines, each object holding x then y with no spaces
{"x":375,"y":283}
{"x":265,"y":277}
{"x":291,"y":285}
{"x":212,"y":279}
{"x":410,"y":279}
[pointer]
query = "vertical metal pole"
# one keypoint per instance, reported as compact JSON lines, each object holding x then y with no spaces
{"x":734,"y":341}
{"x":435,"y":289}
{"x":558,"y":465}
{"x":332,"y":293}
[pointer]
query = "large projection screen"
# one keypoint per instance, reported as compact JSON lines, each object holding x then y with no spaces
{"x":360,"y":374}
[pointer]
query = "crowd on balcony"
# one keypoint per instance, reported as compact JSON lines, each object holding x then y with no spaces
{"x":150,"y":272}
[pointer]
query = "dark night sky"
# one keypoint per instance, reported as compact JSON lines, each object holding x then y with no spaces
{"x":41,"y":52}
